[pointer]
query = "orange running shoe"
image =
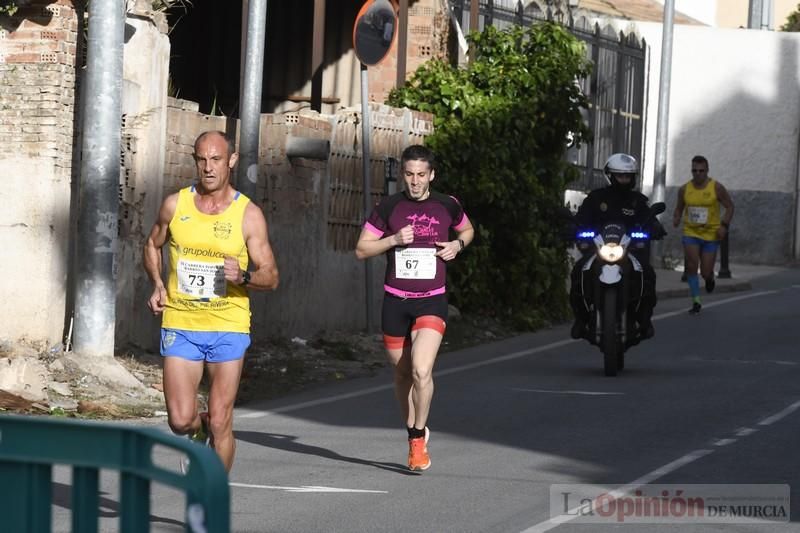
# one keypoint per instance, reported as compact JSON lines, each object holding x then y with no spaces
{"x":418,"y":458}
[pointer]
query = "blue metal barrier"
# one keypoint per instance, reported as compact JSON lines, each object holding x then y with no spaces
{"x":30,"y":446}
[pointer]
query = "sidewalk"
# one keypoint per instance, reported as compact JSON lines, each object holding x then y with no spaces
{"x":669,"y":284}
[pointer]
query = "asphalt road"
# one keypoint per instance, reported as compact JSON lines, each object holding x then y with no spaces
{"x":711,"y":400}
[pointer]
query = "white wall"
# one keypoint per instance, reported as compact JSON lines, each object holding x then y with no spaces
{"x":735,"y":98}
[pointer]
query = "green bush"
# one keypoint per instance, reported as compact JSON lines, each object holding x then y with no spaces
{"x":501,"y":130}
{"x":8,"y":7}
{"x":792,"y":21}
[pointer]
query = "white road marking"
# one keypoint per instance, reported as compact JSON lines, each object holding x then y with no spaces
{"x":570,"y":515}
{"x":723,"y":442}
{"x":739,"y":298}
{"x":578,"y":392}
{"x":470,"y":366}
{"x":504,"y":358}
{"x":319,"y":401}
{"x":307,"y":488}
{"x":547,"y":525}
{"x":743,"y":432}
{"x":715,"y":304}
{"x":777,"y":416}
{"x":741,"y":361}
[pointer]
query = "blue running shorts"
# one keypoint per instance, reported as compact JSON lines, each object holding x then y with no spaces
{"x":209,"y":346}
{"x":705,"y":246}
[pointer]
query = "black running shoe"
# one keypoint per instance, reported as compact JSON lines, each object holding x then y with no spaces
{"x":710,"y":284}
{"x":695,"y":309}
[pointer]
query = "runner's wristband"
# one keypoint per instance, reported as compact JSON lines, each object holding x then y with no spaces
{"x":462,"y":245}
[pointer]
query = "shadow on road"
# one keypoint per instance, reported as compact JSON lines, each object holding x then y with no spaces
{"x":108,"y":508}
{"x":289,"y":443}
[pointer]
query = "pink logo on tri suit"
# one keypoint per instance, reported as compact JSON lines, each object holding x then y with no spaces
{"x":424,"y":225}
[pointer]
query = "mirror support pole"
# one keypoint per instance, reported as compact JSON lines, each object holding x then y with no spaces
{"x":367,"y":182}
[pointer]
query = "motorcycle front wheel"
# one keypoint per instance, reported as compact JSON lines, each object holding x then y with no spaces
{"x":610,"y":345}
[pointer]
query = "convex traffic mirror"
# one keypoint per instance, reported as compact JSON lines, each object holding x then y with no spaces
{"x":373,"y":33}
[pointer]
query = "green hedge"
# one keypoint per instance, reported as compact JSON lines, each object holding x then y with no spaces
{"x":502,"y":126}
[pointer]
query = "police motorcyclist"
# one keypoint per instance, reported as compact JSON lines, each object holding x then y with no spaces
{"x":618,"y":202}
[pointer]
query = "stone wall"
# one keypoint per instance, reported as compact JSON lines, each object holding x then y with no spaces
{"x":38,"y":47}
{"x":144,"y":133}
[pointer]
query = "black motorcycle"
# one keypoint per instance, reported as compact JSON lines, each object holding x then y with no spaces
{"x":617,"y":284}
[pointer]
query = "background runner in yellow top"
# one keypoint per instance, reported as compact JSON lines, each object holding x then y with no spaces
{"x":703,"y":226}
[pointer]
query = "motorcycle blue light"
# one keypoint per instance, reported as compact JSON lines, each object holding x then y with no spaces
{"x":586,"y":235}
{"x":639,"y":235}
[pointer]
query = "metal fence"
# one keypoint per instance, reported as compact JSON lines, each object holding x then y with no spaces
{"x":30,"y":447}
{"x":615,"y":89}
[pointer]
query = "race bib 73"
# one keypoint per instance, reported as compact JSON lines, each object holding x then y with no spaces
{"x":201,"y":280}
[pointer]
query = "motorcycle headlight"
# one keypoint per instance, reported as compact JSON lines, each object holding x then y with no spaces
{"x":611,"y":252}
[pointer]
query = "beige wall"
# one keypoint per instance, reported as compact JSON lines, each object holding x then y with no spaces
{"x":733,"y":13}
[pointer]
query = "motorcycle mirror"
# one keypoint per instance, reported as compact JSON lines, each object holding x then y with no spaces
{"x":374,"y":31}
{"x":658,"y":208}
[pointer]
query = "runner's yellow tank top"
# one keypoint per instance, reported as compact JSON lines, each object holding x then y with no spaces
{"x":701,"y":215}
{"x":198,"y":296}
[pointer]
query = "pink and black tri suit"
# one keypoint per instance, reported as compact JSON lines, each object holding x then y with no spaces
{"x":415,"y":277}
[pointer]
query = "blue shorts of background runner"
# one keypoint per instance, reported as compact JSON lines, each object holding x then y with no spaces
{"x":705,"y":246}
{"x":209,"y":346}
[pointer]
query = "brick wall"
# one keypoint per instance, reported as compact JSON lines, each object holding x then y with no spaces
{"x":184,"y":124}
{"x":37,"y":73}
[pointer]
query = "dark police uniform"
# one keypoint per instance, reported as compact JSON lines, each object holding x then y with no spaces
{"x":610,"y":204}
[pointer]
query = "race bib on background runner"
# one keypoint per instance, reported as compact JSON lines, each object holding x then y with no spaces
{"x":415,"y":263}
{"x":698,"y":215}
{"x":201,"y":280}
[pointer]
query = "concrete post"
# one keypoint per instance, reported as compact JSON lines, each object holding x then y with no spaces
{"x":98,"y":220}
{"x":247,"y":177}
{"x":662,"y":129}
